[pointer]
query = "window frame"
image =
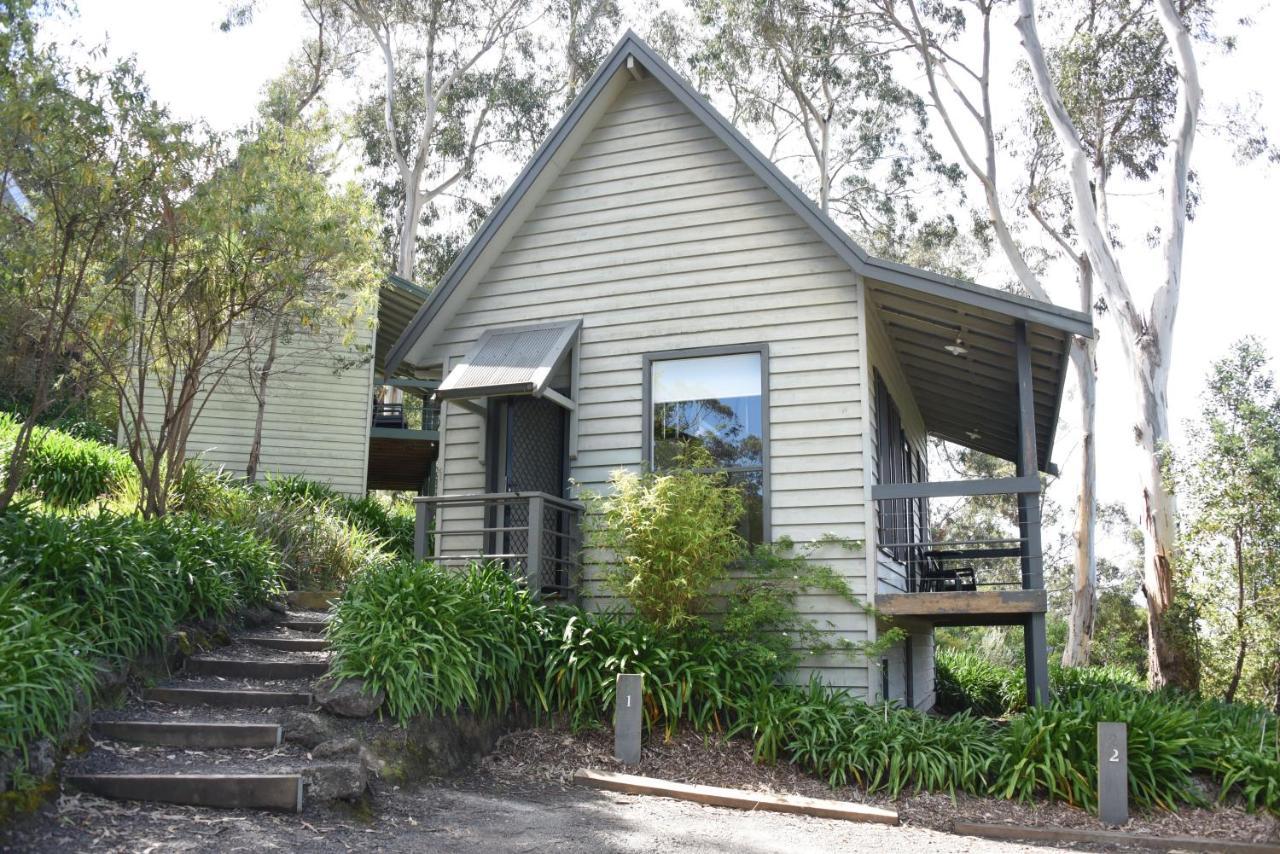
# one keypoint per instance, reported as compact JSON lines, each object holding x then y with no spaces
{"x":646,"y":419}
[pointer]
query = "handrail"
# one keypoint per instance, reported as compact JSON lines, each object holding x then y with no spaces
{"x":534,"y":535}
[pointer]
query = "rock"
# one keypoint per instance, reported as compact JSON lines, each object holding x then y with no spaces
{"x":307,"y":728}
{"x":347,"y":698}
{"x":335,"y":747}
{"x":327,"y":781}
{"x":40,"y":761}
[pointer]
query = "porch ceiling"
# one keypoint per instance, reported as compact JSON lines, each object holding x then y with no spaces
{"x":971,"y":398}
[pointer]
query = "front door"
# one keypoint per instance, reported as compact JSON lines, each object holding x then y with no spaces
{"x":530,"y":444}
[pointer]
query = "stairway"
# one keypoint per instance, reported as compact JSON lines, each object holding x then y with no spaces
{"x":212,"y":735}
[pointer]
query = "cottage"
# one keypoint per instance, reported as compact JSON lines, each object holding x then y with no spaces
{"x":650,"y":275}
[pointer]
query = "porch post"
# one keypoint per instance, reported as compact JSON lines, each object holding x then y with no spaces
{"x":533,"y":553}
{"x":423,"y":511}
{"x":1035,"y":645}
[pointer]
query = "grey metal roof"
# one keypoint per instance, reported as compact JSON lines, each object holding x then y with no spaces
{"x":398,"y":302}
{"x":971,"y":397}
{"x":510,"y":360}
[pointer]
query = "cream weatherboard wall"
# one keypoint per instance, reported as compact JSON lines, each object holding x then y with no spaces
{"x":659,"y":238}
{"x":317,"y":417}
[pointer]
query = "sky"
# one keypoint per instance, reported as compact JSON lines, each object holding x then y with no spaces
{"x":1230,"y":274}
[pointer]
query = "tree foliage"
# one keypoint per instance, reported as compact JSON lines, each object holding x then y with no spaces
{"x":1228,"y":479}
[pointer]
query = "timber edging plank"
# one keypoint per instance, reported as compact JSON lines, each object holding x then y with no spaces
{"x":211,"y":734}
{"x":228,"y":791}
{"x":253,"y":669}
{"x":1111,"y":837}
{"x":735,"y":798}
{"x":227,"y":697}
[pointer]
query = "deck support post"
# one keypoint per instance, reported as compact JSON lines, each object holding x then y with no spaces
{"x":1035,"y":645}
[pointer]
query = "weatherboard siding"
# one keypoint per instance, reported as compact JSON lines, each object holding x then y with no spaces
{"x":316,"y":422}
{"x":659,"y":238}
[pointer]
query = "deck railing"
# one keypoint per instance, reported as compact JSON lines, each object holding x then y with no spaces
{"x":393,"y":415}
{"x":910,"y":561}
{"x":534,"y":536}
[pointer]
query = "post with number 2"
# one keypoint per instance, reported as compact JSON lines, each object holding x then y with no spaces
{"x":1113,"y":773}
{"x":627,"y":720}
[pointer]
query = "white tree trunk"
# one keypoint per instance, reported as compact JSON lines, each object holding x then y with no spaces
{"x":1147,"y":339}
{"x":1084,"y":587}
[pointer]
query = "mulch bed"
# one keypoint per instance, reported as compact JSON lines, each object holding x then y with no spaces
{"x":552,"y":754}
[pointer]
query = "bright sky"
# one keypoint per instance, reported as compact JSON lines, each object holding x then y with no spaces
{"x":1230,"y":279}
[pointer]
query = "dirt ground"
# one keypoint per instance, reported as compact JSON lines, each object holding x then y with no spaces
{"x":466,"y":817}
{"x":520,"y":799}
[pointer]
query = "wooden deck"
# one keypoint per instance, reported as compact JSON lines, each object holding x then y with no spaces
{"x":966,"y":608}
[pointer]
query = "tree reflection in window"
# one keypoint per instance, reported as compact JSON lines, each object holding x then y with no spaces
{"x":715,"y":403}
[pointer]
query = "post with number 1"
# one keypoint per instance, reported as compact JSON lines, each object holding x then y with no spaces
{"x":627,"y":719}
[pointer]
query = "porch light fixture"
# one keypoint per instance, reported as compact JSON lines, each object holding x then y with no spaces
{"x":958,"y":348}
{"x":973,"y":435}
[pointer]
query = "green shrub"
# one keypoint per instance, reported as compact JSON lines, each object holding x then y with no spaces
{"x":436,"y":640}
{"x":221,"y":568}
{"x":123,"y":599}
{"x":43,"y":668}
{"x":671,"y":537}
{"x":1052,"y":750}
{"x":967,"y":681}
{"x":880,"y":748}
{"x":65,"y":471}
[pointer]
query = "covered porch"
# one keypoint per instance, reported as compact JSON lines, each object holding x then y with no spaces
{"x":989,"y":379}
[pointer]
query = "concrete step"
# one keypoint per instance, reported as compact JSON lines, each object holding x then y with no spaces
{"x":305,"y":624}
{"x":233,"y":791}
{"x":228,"y":697}
{"x":289,"y":644}
{"x":234,"y":668}
{"x":197,"y":734}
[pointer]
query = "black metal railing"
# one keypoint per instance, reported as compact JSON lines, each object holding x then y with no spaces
{"x":394,"y":416}
{"x":534,"y":536}
{"x":916,"y":555}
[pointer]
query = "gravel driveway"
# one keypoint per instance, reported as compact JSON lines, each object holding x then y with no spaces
{"x":466,"y":818}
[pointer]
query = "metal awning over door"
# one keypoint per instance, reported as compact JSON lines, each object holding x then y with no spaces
{"x":518,"y":360}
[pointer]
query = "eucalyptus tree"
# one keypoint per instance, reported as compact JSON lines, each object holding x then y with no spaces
{"x":953,"y":45}
{"x":459,"y":79}
{"x":585,"y":29}
{"x":1229,"y":480}
{"x":1146,"y":333}
{"x":812,"y":79}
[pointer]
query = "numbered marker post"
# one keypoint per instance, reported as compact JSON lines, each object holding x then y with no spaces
{"x":627,"y":718}
{"x":1113,"y":773}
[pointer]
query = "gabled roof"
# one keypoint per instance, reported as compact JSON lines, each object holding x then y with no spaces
{"x":632,"y":47}
{"x":398,"y":303}
{"x":947,"y":295}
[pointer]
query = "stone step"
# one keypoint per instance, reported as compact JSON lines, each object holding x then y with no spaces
{"x":305,"y":624}
{"x":234,"y":668}
{"x":289,"y":644}
{"x":197,"y":734}
{"x":228,"y":697}
{"x":233,"y":791}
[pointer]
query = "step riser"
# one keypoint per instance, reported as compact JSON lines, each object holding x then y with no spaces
{"x":228,"y":698}
{"x":292,"y":644}
{"x":316,"y":626}
{"x":269,"y":791}
{"x":256,"y":669}
{"x":210,"y":736}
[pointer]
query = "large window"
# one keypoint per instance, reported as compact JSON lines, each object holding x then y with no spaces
{"x":902,"y":524}
{"x":716,"y":402}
